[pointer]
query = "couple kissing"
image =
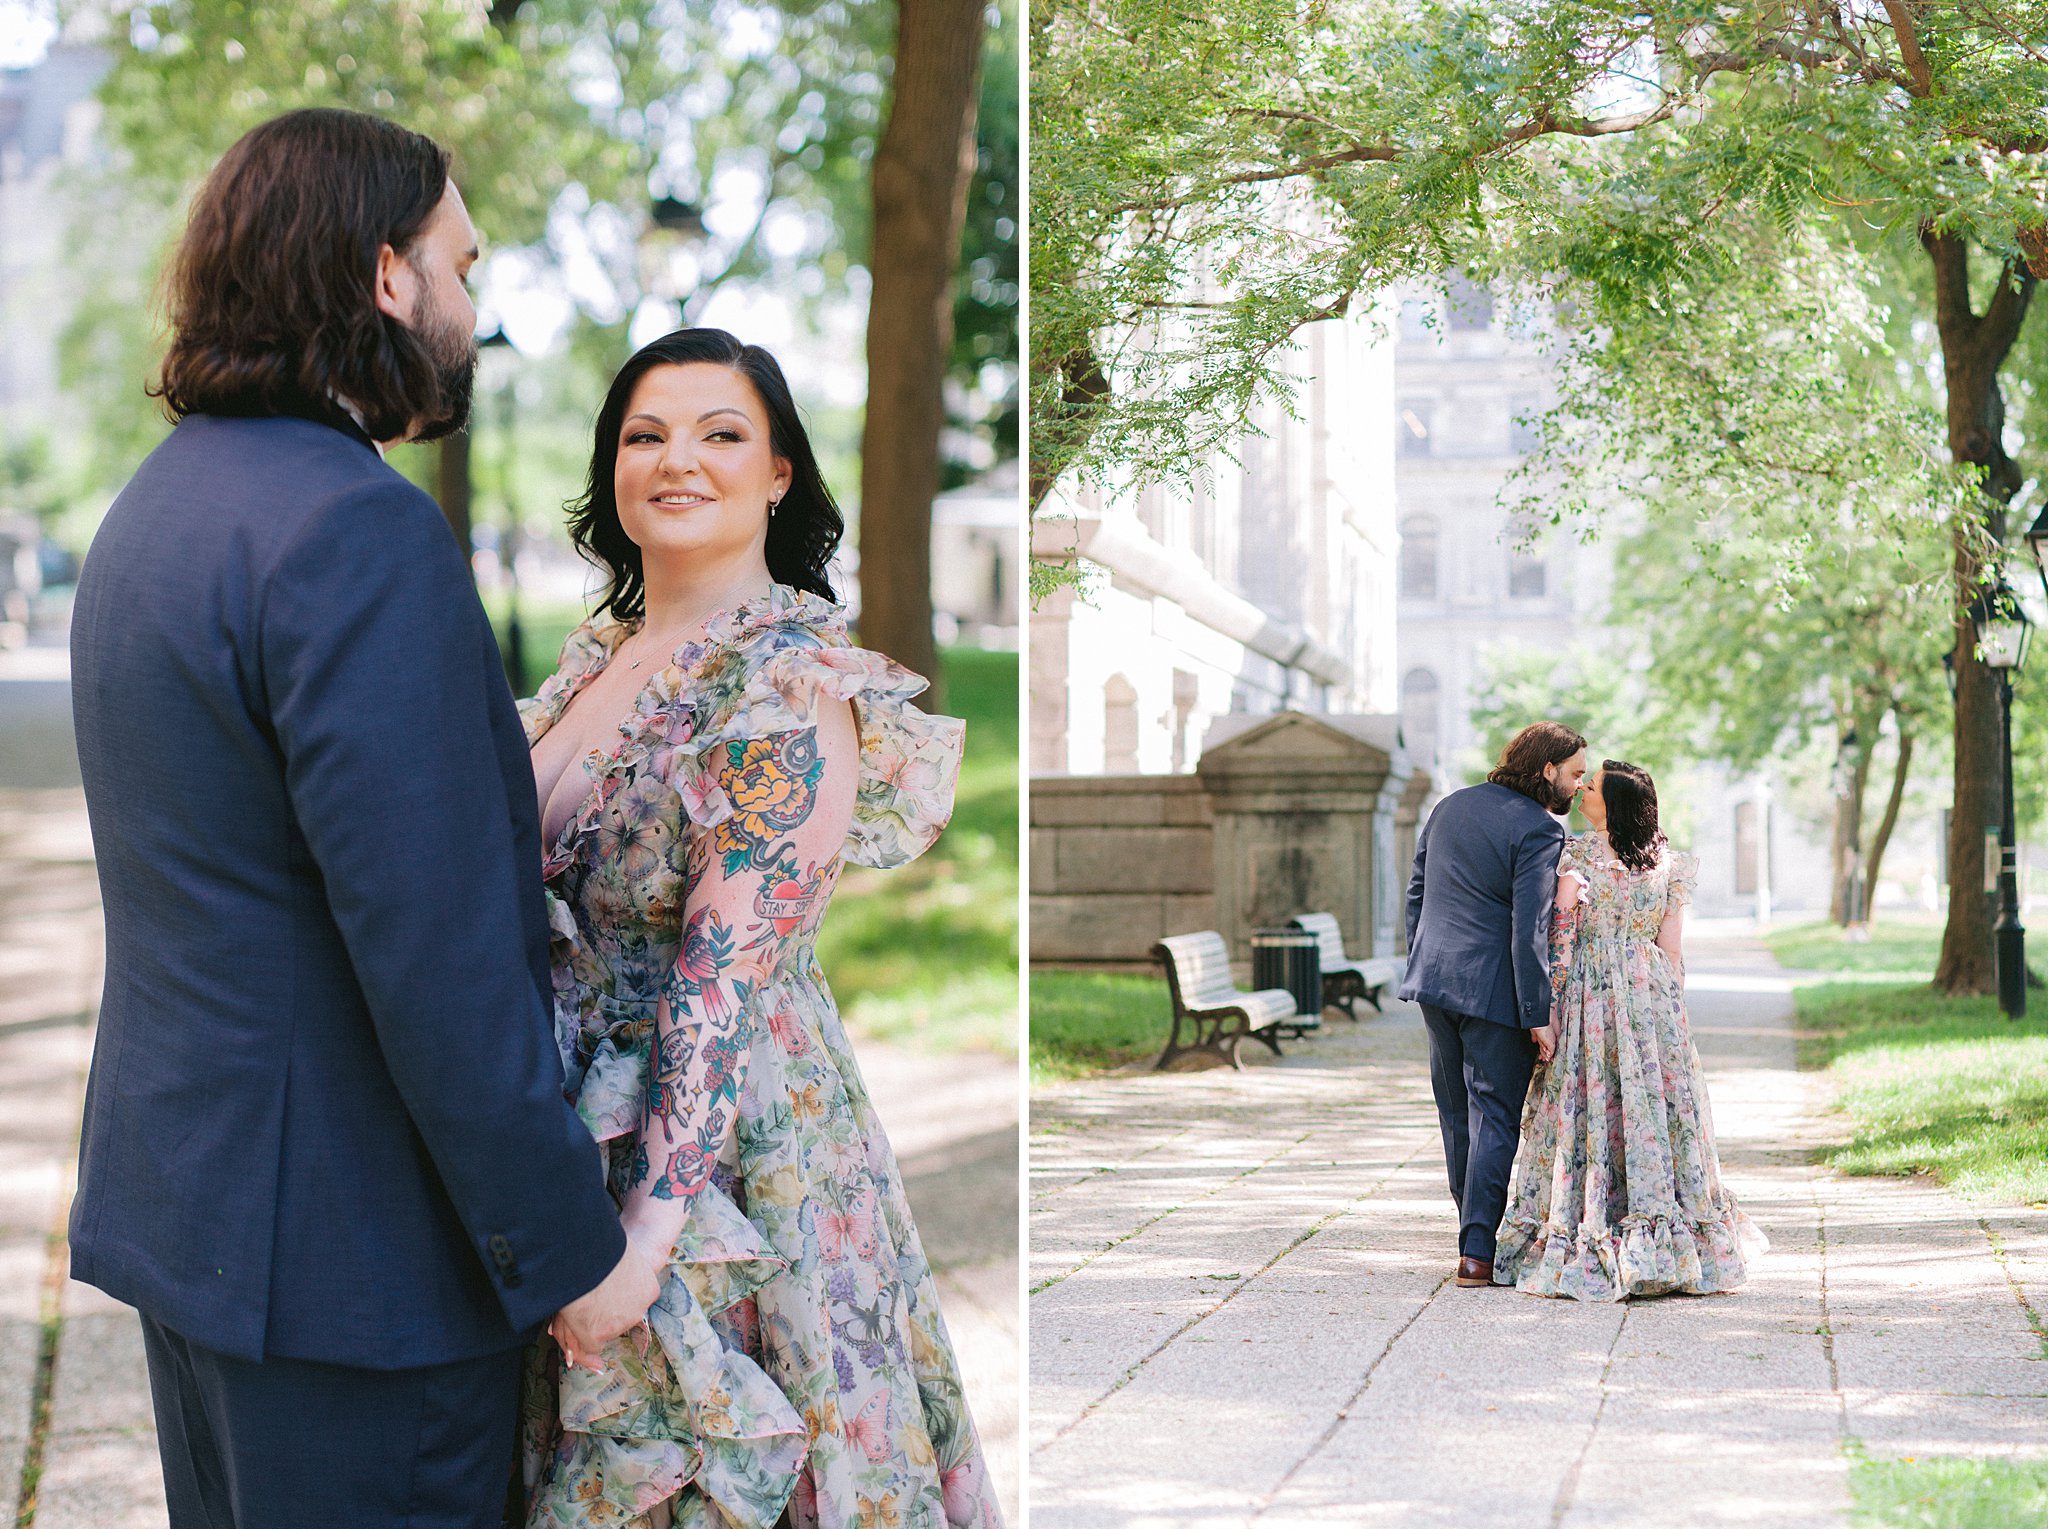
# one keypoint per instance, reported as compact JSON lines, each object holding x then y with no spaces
{"x":1552,"y":982}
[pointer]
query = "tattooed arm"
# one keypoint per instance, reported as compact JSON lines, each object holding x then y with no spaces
{"x":758,"y":883}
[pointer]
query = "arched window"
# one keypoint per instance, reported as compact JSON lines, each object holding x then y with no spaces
{"x":1119,"y":726}
{"x":1418,"y":557}
{"x":1419,"y":712}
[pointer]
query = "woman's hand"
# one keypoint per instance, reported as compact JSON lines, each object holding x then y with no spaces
{"x":616,"y":1307}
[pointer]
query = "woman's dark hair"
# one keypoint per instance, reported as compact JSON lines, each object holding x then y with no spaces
{"x":1631,"y":798}
{"x":1522,"y":761}
{"x":803,"y":532}
{"x":271,"y":291}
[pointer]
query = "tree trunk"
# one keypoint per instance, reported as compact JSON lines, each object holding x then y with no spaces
{"x":452,"y":485}
{"x":1973,"y":347}
{"x":1059,"y":429}
{"x":1852,"y":774}
{"x":923,"y":165}
{"x":1875,"y":860}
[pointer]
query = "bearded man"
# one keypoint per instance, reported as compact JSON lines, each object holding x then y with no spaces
{"x":325,"y":1148}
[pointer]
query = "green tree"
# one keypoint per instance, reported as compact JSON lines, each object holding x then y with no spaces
{"x":1212,"y":182}
{"x":606,"y":133}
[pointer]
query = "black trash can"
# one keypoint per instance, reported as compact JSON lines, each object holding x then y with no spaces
{"x":1291,"y":958}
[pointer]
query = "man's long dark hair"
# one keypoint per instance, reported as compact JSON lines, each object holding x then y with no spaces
{"x":1631,"y":798}
{"x":272,"y":290}
{"x":803,"y":532}
{"x":1522,"y":761}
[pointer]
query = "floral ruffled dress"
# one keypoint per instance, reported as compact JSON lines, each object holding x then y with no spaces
{"x":796,"y":1359}
{"x":1618,"y":1190}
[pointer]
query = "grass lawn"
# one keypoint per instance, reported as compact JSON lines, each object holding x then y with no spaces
{"x":1932,"y":1084}
{"x":925,"y":955}
{"x":1897,"y":948}
{"x":1083,"y":1022}
{"x":1948,"y":1493}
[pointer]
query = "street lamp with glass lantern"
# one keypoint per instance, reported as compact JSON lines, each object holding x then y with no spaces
{"x":2002,"y":633}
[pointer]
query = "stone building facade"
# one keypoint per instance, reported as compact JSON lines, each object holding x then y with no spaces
{"x":1269,"y":584}
{"x":1470,"y":384}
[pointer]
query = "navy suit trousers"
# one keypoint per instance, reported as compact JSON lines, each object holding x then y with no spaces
{"x":1480,"y":1073}
{"x":296,"y":1444}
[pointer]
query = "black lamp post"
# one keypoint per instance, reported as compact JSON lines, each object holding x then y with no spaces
{"x":2002,"y":632}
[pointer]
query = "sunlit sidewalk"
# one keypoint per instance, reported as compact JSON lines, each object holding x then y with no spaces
{"x":1243,"y":1311}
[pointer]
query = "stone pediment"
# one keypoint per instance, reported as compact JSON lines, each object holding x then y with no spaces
{"x":1302,"y":739}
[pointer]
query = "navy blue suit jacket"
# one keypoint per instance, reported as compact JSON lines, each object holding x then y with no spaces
{"x":325,"y":1116}
{"x":1479,"y":906}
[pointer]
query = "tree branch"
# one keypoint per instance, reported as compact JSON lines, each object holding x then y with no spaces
{"x":1545,"y":123}
{"x":2007,"y":311}
{"x":1920,"y":75}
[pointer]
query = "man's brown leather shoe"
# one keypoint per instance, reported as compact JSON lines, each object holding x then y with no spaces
{"x":1473,"y":1272}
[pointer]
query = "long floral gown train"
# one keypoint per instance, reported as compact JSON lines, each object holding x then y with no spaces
{"x":1618,"y":1190}
{"x":795,"y":1368}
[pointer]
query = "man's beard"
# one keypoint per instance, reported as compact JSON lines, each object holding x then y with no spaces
{"x":451,"y":350}
{"x":1555,"y":798}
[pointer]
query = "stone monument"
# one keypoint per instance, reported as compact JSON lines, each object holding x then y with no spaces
{"x":1307,"y":810}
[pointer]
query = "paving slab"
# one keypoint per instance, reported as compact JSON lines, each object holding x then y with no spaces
{"x":1241,"y":1310}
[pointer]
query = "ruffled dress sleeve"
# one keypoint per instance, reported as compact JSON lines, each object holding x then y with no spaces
{"x":1683,"y":882}
{"x":909,"y":759}
{"x":584,"y":651}
{"x":1564,"y":922}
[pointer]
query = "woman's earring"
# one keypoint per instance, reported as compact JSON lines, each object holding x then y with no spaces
{"x":771,"y":505}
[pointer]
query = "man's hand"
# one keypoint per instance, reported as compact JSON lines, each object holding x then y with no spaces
{"x":589,"y":1322}
{"x":1545,"y":1037}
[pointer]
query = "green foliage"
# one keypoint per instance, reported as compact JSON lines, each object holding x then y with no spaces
{"x":1759,"y":401}
{"x":1948,"y":1492}
{"x":1598,"y":693}
{"x":191,"y":76}
{"x":1206,"y":181}
{"x":29,"y":482}
{"x":1083,"y":1022}
{"x":1936,"y":1085}
{"x":566,"y":120}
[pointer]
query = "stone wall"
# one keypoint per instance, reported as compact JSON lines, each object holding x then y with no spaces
{"x":1287,"y":813}
{"x":1118,"y":862}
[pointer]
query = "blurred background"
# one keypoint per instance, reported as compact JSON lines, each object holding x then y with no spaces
{"x":836,"y":181}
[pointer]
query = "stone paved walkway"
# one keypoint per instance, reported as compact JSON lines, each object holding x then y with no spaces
{"x":952,"y":1119}
{"x":1242,"y":1311}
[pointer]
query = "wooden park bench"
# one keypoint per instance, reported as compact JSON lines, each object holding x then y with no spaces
{"x":1345,"y":981}
{"x":1218,"y":1013}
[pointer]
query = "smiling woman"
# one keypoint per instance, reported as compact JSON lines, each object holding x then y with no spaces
{"x":741,"y":433}
{"x":735,"y":753}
